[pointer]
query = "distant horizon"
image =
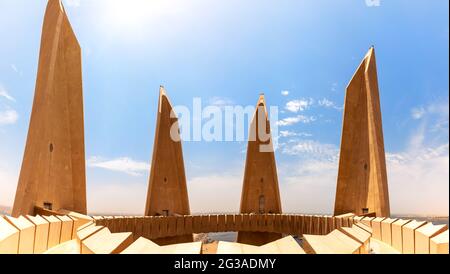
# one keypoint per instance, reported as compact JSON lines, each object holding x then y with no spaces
{"x":5,"y":209}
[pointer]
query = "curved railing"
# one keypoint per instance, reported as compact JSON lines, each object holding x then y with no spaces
{"x":155,"y":227}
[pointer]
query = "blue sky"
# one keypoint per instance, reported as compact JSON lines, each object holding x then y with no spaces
{"x":229,"y":52}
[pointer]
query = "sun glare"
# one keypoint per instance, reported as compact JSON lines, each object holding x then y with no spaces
{"x":135,"y":14}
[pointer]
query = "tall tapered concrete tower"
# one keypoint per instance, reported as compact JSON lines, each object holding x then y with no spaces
{"x":167,"y":191}
{"x":260,"y":193}
{"x":362,"y":181}
{"x":53,"y":168}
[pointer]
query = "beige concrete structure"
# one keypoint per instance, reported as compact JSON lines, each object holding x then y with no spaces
{"x":9,"y":238}
{"x":41,"y":234}
{"x":439,"y":243}
{"x":53,"y":168}
{"x":360,"y":235}
{"x":66,"y":228}
{"x":376,"y":227}
{"x":367,"y":221}
{"x":130,"y":235}
{"x":380,"y":247}
{"x":54,"y":231}
{"x":155,"y":227}
{"x":87,"y":231}
{"x":167,"y":191}
{"x":105,"y":242}
{"x":70,"y":247}
{"x":145,"y":246}
{"x":386,"y":230}
{"x":362,"y":180}
{"x":286,"y":245}
{"x":260,"y":192}
{"x":409,"y":236}
{"x":26,"y":233}
{"x":365,"y":227}
{"x":335,"y":242}
{"x":236,"y":248}
{"x":357,"y":219}
{"x":397,"y":234}
{"x":423,"y":237}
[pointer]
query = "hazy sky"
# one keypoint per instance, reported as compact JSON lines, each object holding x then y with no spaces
{"x":301,"y":54}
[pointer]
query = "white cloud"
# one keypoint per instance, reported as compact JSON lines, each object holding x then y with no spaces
{"x":299,"y":105}
{"x":423,"y":172}
{"x":220,"y":102}
{"x":439,"y":109}
{"x":285,"y":92}
{"x":123,"y":164}
{"x":433,"y":121}
{"x":4,"y":93}
{"x":417,"y":181}
{"x":417,"y":176}
{"x":310,"y":149}
{"x":14,"y":68}
{"x":73,"y":3}
{"x":439,"y":113}
{"x":295,"y":120}
{"x":373,"y":3}
{"x":8,"y":117}
{"x":288,"y":133}
{"x":418,"y":113}
{"x":334,"y":87}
